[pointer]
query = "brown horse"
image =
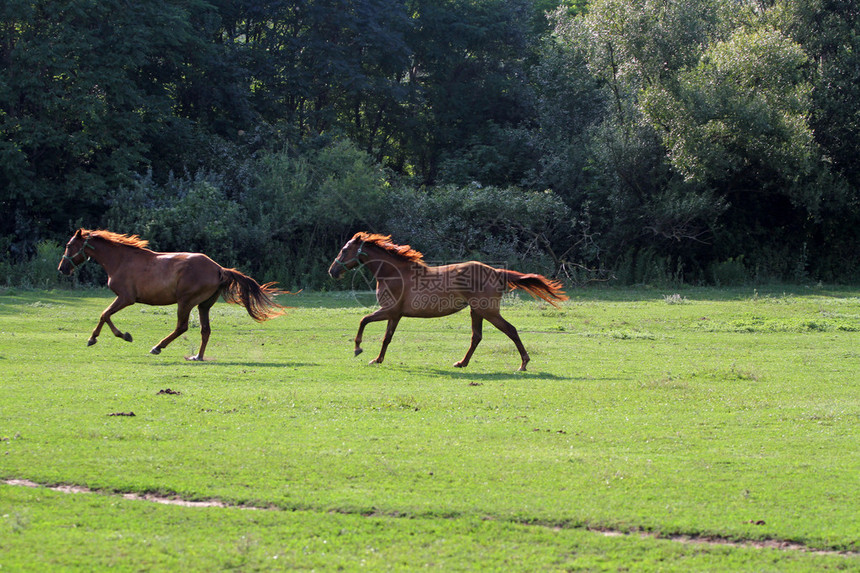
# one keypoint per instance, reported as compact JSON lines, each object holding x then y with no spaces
{"x":137,"y":274}
{"x":407,"y":286}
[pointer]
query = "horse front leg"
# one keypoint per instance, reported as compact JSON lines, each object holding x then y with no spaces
{"x":389,"y":334}
{"x":182,"y":313}
{"x":381,"y":314}
{"x":117,"y":305}
{"x":477,"y":334}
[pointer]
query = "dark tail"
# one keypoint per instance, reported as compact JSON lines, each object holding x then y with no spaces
{"x":257,"y":299}
{"x":536,"y":285}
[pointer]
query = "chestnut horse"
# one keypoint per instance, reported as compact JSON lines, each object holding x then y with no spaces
{"x":137,"y":274}
{"x":407,"y":286}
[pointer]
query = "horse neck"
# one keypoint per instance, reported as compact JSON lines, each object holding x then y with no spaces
{"x":109,"y":255}
{"x":384,"y":264}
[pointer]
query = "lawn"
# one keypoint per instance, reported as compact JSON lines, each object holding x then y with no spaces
{"x":653,"y":427}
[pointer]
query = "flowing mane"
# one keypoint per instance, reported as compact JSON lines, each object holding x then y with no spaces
{"x":384,"y":242}
{"x":128,"y":240}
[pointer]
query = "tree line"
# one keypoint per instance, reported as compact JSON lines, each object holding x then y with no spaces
{"x":703,"y":141}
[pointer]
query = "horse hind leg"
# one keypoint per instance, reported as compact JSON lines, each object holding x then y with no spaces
{"x":511,"y":332}
{"x":203,"y":308}
{"x":182,"y":313}
{"x":477,"y":328}
{"x":117,"y":305}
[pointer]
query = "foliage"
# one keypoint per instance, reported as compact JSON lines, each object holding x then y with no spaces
{"x":738,"y":120}
{"x":730,"y":272}
{"x":708,"y":152}
{"x":40,"y":271}
{"x":303,"y":208}
{"x":86,"y":100}
{"x":692,"y":132}
{"x":501,"y":226}
{"x":191,"y":213}
{"x":284,"y":224}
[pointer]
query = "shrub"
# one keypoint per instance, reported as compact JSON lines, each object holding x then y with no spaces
{"x":503,"y":226}
{"x":648,"y":267}
{"x":191,"y":213}
{"x":731,"y":272}
{"x":303,"y":207}
{"x":39,"y":271}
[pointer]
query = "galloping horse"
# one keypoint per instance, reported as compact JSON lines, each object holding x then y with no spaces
{"x":137,"y":274}
{"x":407,"y":286}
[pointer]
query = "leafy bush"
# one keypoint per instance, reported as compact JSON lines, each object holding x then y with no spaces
{"x":302,"y":208}
{"x":283,"y":220}
{"x":649,"y":267}
{"x":39,"y":271}
{"x":731,"y":272}
{"x":497,"y":225}
{"x":191,"y":213}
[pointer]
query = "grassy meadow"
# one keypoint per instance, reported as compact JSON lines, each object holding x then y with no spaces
{"x":656,"y":430}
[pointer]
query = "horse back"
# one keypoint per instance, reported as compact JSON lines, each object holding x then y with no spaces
{"x":468,"y":278}
{"x":446,"y":289}
{"x":167,"y":278}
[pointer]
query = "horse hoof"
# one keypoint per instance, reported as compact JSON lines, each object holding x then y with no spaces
{"x":127,"y":337}
{"x":155,"y":350}
{"x":195,"y":358}
{"x":460,"y":364}
{"x":521,"y":368}
{"x":374,"y":361}
{"x":358,"y":351}
{"x":91,"y":341}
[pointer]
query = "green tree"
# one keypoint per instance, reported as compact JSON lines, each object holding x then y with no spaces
{"x":468,"y":80}
{"x":829,"y":33}
{"x":628,"y":196}
{"x":709,"y":147}
{"x":739,"y":117}
{"x":303,"y":207}
{"x":738,"y":123}
{"x":86,"y":100}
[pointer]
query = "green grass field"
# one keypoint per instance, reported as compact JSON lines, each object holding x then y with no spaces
{"x":650,"y":430}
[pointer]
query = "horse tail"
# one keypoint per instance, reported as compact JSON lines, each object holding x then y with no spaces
{"x":536,"y":285}
{"x":256,"y":298}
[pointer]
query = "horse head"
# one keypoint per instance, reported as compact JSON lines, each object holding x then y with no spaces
{"x":348,"y":258}
{"x":75,"y":254}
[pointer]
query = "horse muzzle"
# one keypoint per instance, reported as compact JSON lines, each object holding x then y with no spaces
{"x":336,"y":270}
{"x":66,"y":267}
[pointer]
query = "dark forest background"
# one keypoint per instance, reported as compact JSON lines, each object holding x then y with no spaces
{"x":637,"y":141}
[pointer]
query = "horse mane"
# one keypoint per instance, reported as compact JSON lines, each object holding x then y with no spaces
{"x":116,"y":238}
{"x":384,"y":242}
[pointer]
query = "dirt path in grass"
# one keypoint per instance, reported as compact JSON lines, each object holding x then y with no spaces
{"x":701,"y":540}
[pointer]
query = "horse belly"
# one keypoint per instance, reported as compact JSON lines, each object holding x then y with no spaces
{"x":175,"y":276}
{"x":428,"y":304}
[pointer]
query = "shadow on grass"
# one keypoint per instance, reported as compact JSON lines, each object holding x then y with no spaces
{"x":216,"y":363}
{"x":492,"y":376}
{"x":12,"y":300}
{"x":466,"y":376}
